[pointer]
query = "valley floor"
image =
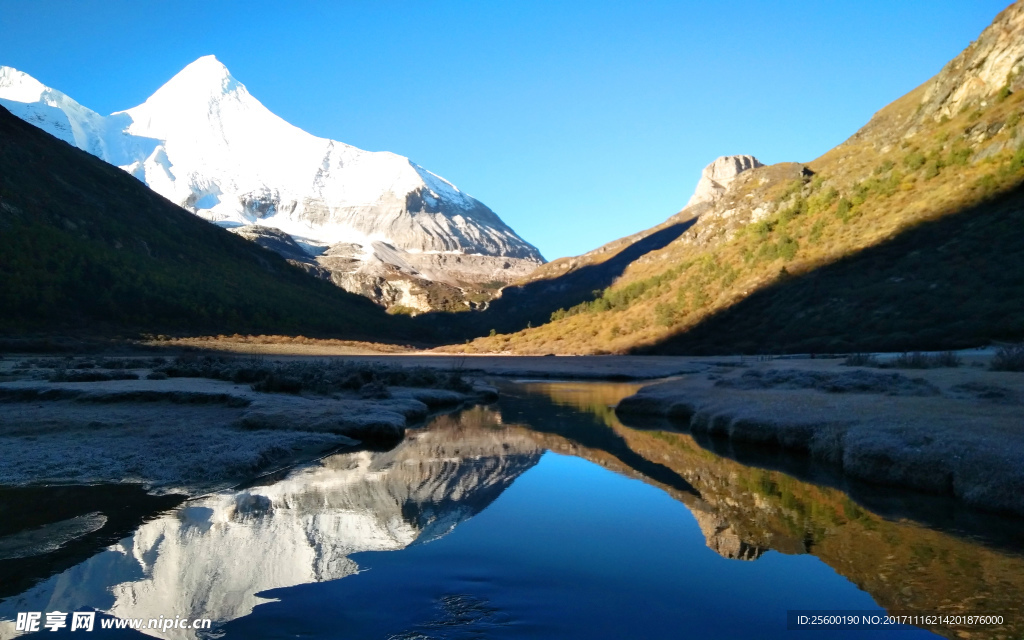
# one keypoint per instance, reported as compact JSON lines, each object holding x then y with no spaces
{"x":955,"y":430}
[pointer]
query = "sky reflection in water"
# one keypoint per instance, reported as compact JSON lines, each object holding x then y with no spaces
{"x":571,"y":550}
{"x":475,"y":527}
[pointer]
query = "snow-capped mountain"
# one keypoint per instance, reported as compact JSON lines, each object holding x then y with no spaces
{"x":204,"y":142}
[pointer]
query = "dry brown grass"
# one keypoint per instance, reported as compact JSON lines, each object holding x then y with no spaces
{"x":279,"y":345}
{"x":878,"y":169}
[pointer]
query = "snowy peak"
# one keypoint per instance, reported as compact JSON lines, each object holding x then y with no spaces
{"x":205,"y":143}
{"x":17,"y":86}
{"x":206,"y":73}
{"x":204,"y":81}
{"x":203,"y":99}
{"x":21,"y":87}
{"x":53,"y":112}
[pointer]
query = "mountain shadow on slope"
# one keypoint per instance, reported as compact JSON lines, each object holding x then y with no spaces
{"x":90,"y":249}
{"x":949,"y":283}
{"x":532,"y":303}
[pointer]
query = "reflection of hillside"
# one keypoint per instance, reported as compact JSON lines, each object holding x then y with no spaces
{"x":531,"y":405}
{"x":744,"y":511}
{"x":903,"y":565}
{"x":596,"y":399}
{"x":210,"y":558}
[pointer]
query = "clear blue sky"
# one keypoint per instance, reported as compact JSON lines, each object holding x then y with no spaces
{"x":577,"y":122}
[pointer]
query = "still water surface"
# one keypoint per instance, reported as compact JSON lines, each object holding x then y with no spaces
{"x":541,"y":516}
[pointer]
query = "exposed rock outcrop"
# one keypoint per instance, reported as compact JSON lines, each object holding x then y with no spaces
{"x":723,"y":539}
{"x":716,"y":177}
{"x":994,"y":61}
{"x":422,"y":281}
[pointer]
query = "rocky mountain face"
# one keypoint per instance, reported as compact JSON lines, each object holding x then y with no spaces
{"x":981,"y":71}
{"x":986,"y":74}
{"x":203,"y":142}
{"x":864,"y":248}
{"x":716,"y":177}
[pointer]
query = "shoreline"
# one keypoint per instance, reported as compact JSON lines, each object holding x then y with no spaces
{"x":194,"y":435}
{"x":954,"y":431}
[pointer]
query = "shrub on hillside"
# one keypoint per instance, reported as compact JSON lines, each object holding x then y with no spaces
{"x":861,"y":360}
{"x":1008,"y":358}
{"x":843,"y":210}
{"x":918,"y":360}
{"x":884,"y":167}
{"x":914,"y":160}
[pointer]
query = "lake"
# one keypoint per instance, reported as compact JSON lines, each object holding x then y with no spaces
{"x":541,"y":516}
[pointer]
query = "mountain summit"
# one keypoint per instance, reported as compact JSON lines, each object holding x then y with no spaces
{"x":378,"y":223}
{"x":207,"y":76}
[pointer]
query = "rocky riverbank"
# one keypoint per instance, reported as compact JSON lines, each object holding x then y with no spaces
{"x":198,"y":424}
{"x":956,"y":431}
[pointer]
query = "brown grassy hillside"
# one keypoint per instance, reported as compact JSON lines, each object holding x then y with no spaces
{"x":906,"y":236}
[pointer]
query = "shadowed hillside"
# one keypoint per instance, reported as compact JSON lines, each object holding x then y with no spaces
{"x":949,"y":283}
{"x":89,"y":249}
{"x":559,"y":284}
{"x":905,"y":236}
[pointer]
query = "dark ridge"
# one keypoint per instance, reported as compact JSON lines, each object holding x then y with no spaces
{"x":534,"y":302}
{"x":90,"y":250}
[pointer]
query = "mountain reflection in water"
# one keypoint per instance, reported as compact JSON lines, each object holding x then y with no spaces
{"x":222,"y":555}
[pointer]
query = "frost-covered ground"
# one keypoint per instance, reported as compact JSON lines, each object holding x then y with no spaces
{"x":183,"y":434}
{"x":956,"y":430}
